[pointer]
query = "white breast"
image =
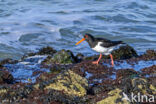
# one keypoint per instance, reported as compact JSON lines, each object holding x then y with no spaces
{"x":104,"y":50}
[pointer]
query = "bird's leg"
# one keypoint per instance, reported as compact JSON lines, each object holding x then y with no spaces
{"x":112,"y":60}
{"x":97,"y":62}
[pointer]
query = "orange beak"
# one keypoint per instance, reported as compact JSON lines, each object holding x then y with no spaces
{"x":80,"y":41}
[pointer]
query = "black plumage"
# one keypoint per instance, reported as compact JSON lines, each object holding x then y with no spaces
{"x":105,"y":42}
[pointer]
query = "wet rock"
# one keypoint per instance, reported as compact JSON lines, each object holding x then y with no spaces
{"x":46,"y":76}
{"x":47,"y":96}
{"x":7,"y":61}
{"x":114,"y":97}
{"x":55,"y":69}
{"x":13,"y":94}
{"x":96,"y":89}
{"x":149,"y":55}
{"x":37,"y":73}
{"x":61,"y":57}
{"x":6,"y":77}
{"x":150,"y":70}
{"x":141,"y":85}
{"x":124,"y":52}
{"x":79,"y":57}
{"x":46,"y":51}
{"x":43,"y":51}
{"x":137,"y":86}
{"x":126,"y":73}
{"x":68,"y":82}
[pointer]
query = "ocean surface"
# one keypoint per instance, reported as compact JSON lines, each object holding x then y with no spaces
{"x":28,"y":25}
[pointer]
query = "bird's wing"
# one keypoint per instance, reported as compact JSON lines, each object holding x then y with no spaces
{"x":108,"y":43}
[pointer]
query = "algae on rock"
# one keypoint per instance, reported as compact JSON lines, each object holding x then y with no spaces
{"x":61,"y":57}
{"x":124,"y":52}
{"x":69,"y":82}
{"x":141,"y":85}
{"x":112,"y":98}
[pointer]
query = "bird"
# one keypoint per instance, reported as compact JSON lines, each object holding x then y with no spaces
{"x":101,"y":45}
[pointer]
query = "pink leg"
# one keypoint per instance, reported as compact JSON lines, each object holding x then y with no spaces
{"x":112,"y":60}
{"x":97,"y":62}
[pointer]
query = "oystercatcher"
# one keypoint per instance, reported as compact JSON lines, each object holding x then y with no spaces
{"x":101,"y":45}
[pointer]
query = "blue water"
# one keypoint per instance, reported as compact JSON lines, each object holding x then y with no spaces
{"x":27,"y":25}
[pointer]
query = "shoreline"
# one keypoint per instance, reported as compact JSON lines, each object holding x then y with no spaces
{"x":50,"y":76}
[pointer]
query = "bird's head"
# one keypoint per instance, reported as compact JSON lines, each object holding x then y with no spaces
{"x":87,"y":37}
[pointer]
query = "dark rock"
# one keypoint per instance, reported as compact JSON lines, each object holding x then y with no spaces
{"x":96,"y":89}
{"x":8,"y":61}
{"x":13,"y":94}
{"x":79,"y":57}
{"x":37,"y":73}
{"x":124,"y":73}
{"x":149,"y":55}
{"x":124,"y":52}
{"x":61,"y":57}
{"x":43,"y":51}
{"x":6,"y":77}
{"x":46,"y":51}
{"x":149,"y":70}
{"x":55,"y":69}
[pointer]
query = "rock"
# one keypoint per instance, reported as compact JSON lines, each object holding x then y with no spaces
{"x":43,"y":51}
{"x":141,"y":85}
{"x":46,"y":51}
{"x":114,"y":97}
{"x":150,"y":70}
{"x":124,"y":52}
{"x":79,"y":57}
{"x":96,"y":89}
{"x":70,"y":83}
{"x":8,"y":61}
{"x":55,"y":69}
{"x":126,"y":73}
{"x":6,"y":77}
{"x":61,"y":57}
{"x":10,"y":94}
{"x":149,"y":55}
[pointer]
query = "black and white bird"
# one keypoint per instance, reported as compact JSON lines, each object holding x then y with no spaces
{"x":101,"y":45}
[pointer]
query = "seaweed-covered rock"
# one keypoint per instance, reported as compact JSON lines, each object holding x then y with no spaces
{"x":8,"y":61}
{"x":55,"y":69}
{"x":53,"y":97}
{"x":68,"y":82}
{"x":46,"y":51}
{"x":124,"y":52}
{"x":142,"y":86}
{"x":6,"y":77}
{"x":61,"y":57}
{"x":150,"y":71}
{"x":79,"y":57}
{"x":43,"y":51}
{"x":114,"y":97}
{"x":126,"y":73}
{"x":96,"y":89}
{"x":149,"y":55}
{"x":10,"y":94}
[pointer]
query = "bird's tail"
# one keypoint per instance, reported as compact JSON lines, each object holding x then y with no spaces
{"x":120,"y":42}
